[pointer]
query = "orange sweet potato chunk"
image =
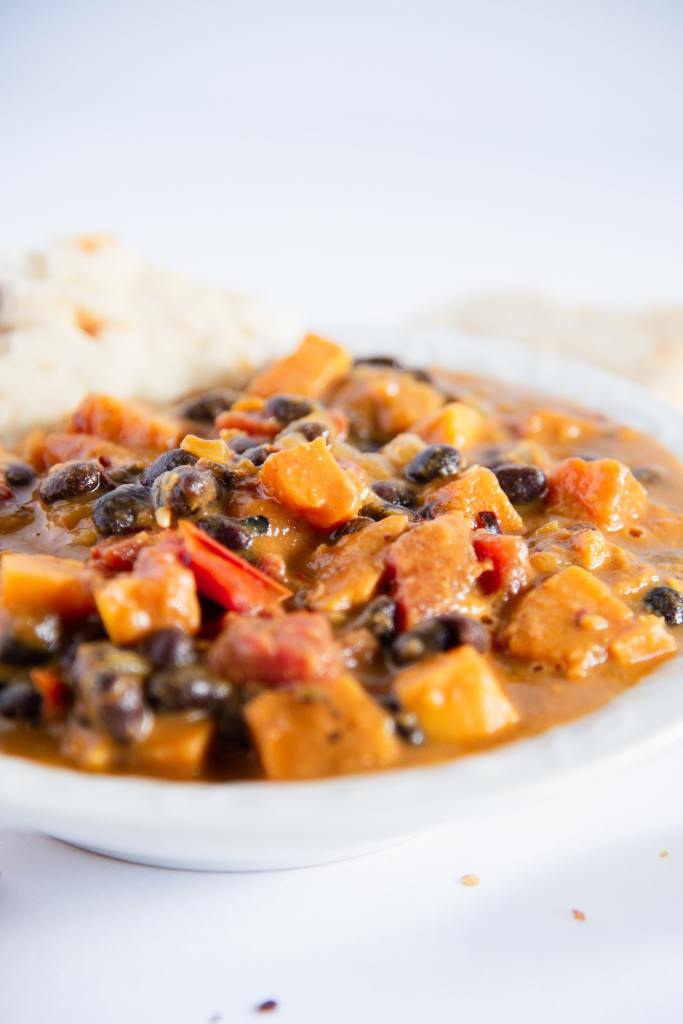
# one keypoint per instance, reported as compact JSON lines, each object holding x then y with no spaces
{"x":605,"y":491}
{"x":45,"y":585}
{"x":310,"y":732}
{"x":348,"y":573}
{"x":177,"y":746}
{"x":569,"y":621}
{"x":474,"y":492}
{"x":314,"y":366}
{"x":159,"y":593}
{"x":46,"y":450}
{"x":124,"y":423}
{"x":456,"y":423}
{"x":432,"y":569}
{"x":645,"y":639}
{"x":307,"y":480}
{"x":456,"y":697}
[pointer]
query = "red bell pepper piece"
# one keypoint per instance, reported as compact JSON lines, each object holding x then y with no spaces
{"x":225,"y":577}
{"x":52,"y":688}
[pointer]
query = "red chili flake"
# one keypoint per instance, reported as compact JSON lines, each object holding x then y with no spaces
{"x":267,"y":1007}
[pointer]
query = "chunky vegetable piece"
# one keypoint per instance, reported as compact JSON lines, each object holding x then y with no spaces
{"x":573,"y":621}
{"x":159,"y":593}
{"x":348,"y":574}
{"x":310,"y":370}
{"x":307,"y":480}
{"x":457,"y":423}
{"x":41,"y":585}
{"x":344,"y":566}
{"x":124,"y":423}
{"x":475,"y":492}
{"x":605,"y":491}
{"x":315,"y":731}
{"x":432,"y":569}
{"x":456,"y":697}
{"x":294,"y":648}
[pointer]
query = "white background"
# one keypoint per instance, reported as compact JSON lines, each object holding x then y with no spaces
{"x":363,"y":161}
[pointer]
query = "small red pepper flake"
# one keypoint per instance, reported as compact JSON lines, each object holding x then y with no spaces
{"x":267,"y":1006}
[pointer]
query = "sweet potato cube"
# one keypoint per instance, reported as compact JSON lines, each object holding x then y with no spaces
{"x":645,"y":639}
{"x":389,"y":401}
{"x":568,"y":621}
{"x":457,"y":423}
{"x":474,"y":492}
{"x":307,"y":480}
{"x":124,"y":423}
{"x":159,"y":593}
{"x":348,"y":573}
{"x":45,"y":450}
{"x":432,"y":569}
{"x":314,"y":366}
{"x":456,"y":697}
{"x":605,"y":491}
{"x":510,"y":571}
{"x":177,"y":746}
{"x":45,"y":585}
{"x":309,"y":732}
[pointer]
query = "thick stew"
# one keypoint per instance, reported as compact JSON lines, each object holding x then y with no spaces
{"x":333,"y":567}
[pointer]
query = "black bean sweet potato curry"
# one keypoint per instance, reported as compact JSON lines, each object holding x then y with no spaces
{"x":336,"y":566}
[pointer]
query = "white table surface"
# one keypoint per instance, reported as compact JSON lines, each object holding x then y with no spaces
{"x":362,"y":161}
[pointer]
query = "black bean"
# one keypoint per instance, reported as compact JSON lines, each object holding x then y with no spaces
{"x":395,"y":492}
{"x":408,"y":727}
{"x":185,"y":490}
{"x":648,"y":475}
{"x":18,"y":474}
{"x":204,"y":408}
{"x":229,"y":532}
{"x":424,"y":376}
{"x":257,"y":525}
{"x":380,"y":618}
{"x":241,"y":443}
{"x":21,"y":702}
{"x":667,"y":603}
{"x":109,"y":690}
{"x":522,"y":484}
{"x":437,"y":460}
{"x":168,"y":648}
{"x":351,"y":526}
{"x":309,"y":429}
{"x":488,"y":521}
{"x":285,"y":408}
{"x":169,"y":460}
{"x":186,"y":687}
{"x":23,"y":646}
{"x":118,"y":475}
{"x":70,"y":481}
{"x":258,"y":454}
{"x":441,"y":633}
{"x":127,"y":508}
{"x":388,"y":361}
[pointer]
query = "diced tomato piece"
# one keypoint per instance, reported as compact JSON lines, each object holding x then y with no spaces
{"x":511,"y":571}
{"x":248,"y":423}
{"x":52,"y":688}
{"x":294,"y":648}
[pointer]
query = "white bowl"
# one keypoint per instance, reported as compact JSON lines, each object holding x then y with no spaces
{"x":262,"y":825}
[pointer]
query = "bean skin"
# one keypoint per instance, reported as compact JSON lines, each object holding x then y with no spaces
{"x":70,"y":481}
{"x":667,"y":603}
{"x":437,"y":460}
{"x":169,"y":460}
{"x":127,"y":508}
{"x":441,"y":633}
{"x":168,"y":648}
{"x":522,"y":484}
{"x":286,"y":408}
{"x":21,"y":702}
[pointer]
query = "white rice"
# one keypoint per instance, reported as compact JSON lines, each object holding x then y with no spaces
{"x":87,"y":315}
